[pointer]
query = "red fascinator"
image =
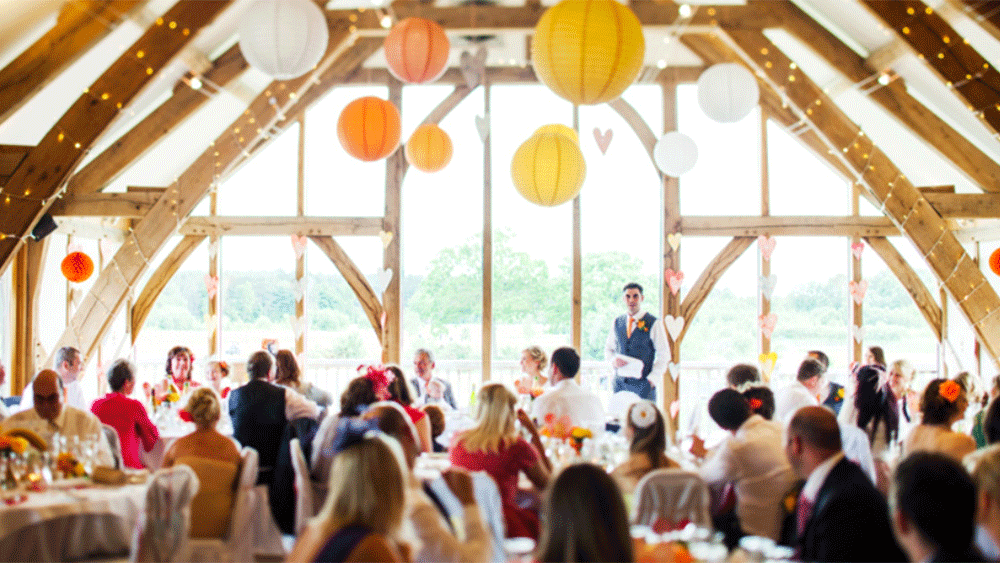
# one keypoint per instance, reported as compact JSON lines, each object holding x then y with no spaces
{"x":380,"y":378}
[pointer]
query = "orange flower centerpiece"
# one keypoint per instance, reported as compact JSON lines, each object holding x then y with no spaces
{"x":578,"y":434}
{"x":69,"y":466}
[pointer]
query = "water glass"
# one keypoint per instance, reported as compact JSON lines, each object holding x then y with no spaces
{"x":18,"y":465}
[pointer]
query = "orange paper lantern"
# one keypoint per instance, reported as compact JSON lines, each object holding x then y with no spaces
{"x":368,"y":128}
{"x":995,"y":261}
{"x":77,"y":267}
{"x":416,"y":50}
{"x":429,"y":148}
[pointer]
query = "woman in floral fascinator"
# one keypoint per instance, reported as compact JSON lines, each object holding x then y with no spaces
{"x":646,"y":429}
{"x":942,"y":405}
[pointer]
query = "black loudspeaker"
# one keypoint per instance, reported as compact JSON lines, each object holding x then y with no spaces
{"x":44,"y":227}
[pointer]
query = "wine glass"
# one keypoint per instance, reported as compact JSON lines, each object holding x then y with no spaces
{"x":18,"y":465}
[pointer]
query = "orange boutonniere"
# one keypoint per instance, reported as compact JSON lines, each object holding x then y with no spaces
{"x":950,"y":391}
{"x":840,"y":394}
{"x":641,"y":325}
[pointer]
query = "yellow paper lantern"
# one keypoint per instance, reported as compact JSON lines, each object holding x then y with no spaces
{"x":429,"y":148}
{"x":548,"y":169}
{"x":588,"y":51}
{"x":559,"y":129}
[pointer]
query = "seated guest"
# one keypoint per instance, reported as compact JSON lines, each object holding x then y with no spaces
{"x":877,"y":411}
{"x":68,"y":364}
{"x":363,"y":512}
{"x":753,"y":461}
{"x":423,"y":366}
{"x":646,"y":431}
{"x":901,"y":374}
{"x":218,"y":378}
{"x":741,"y":375}
{"x":289,"y":375}
{"x":354,"y":401}
{"x":761,"y":401}
{"x":985,"y":468}
{"x":179,"y":362}
{"x":566,"y":397}
{"x":991,"y":422}
{"x":399,"y":391}
{"x":494,"y":446}
{"x":533,"y":361}
{"x":943,"y":404}
{"x":873,"y":368}
{"x":839,"y":515}
{"x":934,"y":509}
{"x":978,"y":426}
{"x":585,"y":518}
{"x":833,"y":396}
{"x":802,"y":392}
{"x":127,"y":415}
{"x":260,"y":410}
{"x":216,"y":461}
{"x":49,"y":416}
{"x":435,"y":416}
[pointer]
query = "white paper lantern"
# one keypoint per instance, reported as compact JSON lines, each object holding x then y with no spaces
{"x":675,"y":153}
{"x":283,"y":38}
{"x":727,"y":92}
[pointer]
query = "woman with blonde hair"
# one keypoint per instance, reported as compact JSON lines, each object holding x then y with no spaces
{"x":364,"y":508}
{"x":943,"y":404}
{"x":646,"y":429}
{"x":533,"y":361}
{"x":289,"y":375}
{"x":494,"y":446}
{"x":984,"y":466}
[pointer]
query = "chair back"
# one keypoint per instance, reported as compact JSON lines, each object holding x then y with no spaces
{"x":670,"y":498}
{"x":111,"y":435}
{"x":162,"y":532}
{"x":304,"y":506}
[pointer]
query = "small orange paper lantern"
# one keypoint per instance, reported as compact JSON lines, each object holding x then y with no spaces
{"x":429,"y":148}
{"x":368,"y":128}
{"x":995,"y":261}
{"x":416,"y":50}
{"x":77,"y":267}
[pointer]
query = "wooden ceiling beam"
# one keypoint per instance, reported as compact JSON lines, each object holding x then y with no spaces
{"x":894,"y":98}
{"x":80,"y":25}
{"x":965,"y":206}
{"x":11,"y":156}
{"x":787,"y":225}
{"x":984,"y":12}
{"x":43,"y":172}
{"x":112,"y":204}
{"x":282,"y":226}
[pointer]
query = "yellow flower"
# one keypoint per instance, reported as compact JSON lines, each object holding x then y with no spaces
{"x":173,"y":397}
{"x":18,"y":444}
{"x":840,"y":393}
{"x":581,"y":433}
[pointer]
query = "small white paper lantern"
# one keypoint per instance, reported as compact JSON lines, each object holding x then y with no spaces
{"x":283,"y":38}
{"x":675,"y":153}
{"x":727,"y":92}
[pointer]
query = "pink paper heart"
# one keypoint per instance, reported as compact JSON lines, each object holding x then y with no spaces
{"x":603,"y":139}
{"x":767,"y":323}
{"x":766,"y":245}
{"x":856,"y":249}
{"x":858,"y":290}
{"x":211,"y":285}
{"x":675,"y":408}
{"x":674,"y":280}
{"x":299,"y":245}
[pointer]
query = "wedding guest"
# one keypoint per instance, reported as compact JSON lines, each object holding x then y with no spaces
{"x":901,"y":374}
{"x":68,"y":364}
{"x":423,"y":366}
{"x":126,"y":415}
{"x":642,"y":337}
{"x":364,"y":509}
{"x":978,"y":427}
{"x":834,"y":393}
{"x":4,"y":413}
{"x":839,"y":515}
{"x":566,"y":398}
{"x":361,"y":392}
{"x":585,"y":518}
{"x":435,"y":416}
{"x":646,"y":430}
{"x":943,"y":404}
{"x":761,"y":401}
{"x":753,"y":461}
{"x":354,"y":401}
{"x":494,"y":446}
{"x":214,"y":458}
{"x":934,"y":509}
{"x":991,"y":422}
{"x":984,"y":465}
{"x":289,"y":375}
{"x":218,"y":377}
{"x":533,"y":361}
{"x":399,"y":391}
{"x":877,"y":410}
{"x":179,"y":362}
{"x":872,"y":368}
{"x":741,"y":375}
{"x":803,"y":392}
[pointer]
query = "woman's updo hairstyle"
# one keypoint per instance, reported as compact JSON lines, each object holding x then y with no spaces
{"x":203,"y":406}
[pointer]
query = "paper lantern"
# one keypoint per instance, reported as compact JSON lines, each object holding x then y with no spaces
{"x":995,"y":261}
{"x":588,"y":51}
{"x":417,"y":50}
{"x":429,"y":148}
{"x":727,"y":92}
{"x":675,"y":153}
{"x":368,"y":128}
{"x":283,"y":38}
{"x":548,"y":169}
{"x":559,"y":129}
{"x":77,"y":267}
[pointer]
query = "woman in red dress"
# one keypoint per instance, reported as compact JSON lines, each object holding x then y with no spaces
{"x":495,"y":447}
{"x":399,"y":391}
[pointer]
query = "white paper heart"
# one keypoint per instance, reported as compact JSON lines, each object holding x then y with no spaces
{"x":674,"y":240}
{"x":382,"y":279}
{"x":298,"y":325}
{"x":674,"y":325}
{"x":675,"y":409}
{"x":858,"y":333}
{"x":483,"y":127}
{"x":603,"y":139}
{"x":299,"y":289}
{"x":674,"y":369}
{"x":213,"y":249}
{"x":767,"y":284}
{"x":472,"y":67}
{"x":386,"y":238}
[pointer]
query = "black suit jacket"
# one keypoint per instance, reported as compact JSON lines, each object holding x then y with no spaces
{"x":850,"y":521}
{"x":835,"y":399}
{"x":258,"y":413}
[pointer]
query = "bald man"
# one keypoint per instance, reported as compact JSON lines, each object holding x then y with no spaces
{"x":839,"y":515}
{"x":50,"y":415}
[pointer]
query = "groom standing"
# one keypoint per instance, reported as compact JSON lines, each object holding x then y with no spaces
{"x":638,"y":335}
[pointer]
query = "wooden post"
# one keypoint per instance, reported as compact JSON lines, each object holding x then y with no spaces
{"x":670,"y":303}
{"x":487,"y":320}
{"x":214,"y":320}
{"x":391,"y":256}
{"x":27,"y":282}
{"x":301,"y":278}
{"x":764,"y":266}
{"x":942,"y":344}
{"x":857,"y":311}
{"x":576,"y":307}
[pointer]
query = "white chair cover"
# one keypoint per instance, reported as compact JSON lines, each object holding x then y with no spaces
{"x":619,"y":404}
{"x":265,"y":535}
{"x":490,"y":508}
{"x":111,"y":435}
{"x":304,"y":504}
{"x":162,"y":532}
{"x":673,"y":495}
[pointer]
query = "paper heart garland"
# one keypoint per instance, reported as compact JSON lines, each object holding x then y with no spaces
{"x":299,"y":289}
{"x":213,"y":249}
{"x":858,"y":290}
{"x":674,"y":326}
{"x":674,"y":369}
{"x":767,"y":284}
{"x":211,"y":285}
{"x":674,"y":280}
{"x":856,"y":249}
{"x":299,"y":245}
{"x":766,"y":245}
{"x":674,"y":240}
{"x":298,"y":325}
{"x":382,"y":279}
{"x":603,"y":139}
{"x":472,"y":67}
{"x":386,"y":238}
{"x":767,"y":363}
{"x":483,"y":127}
{"x":675,"y":409}
{"x":767,"y":323}
{"x":385,"y":317}
{"x":858,"y":333}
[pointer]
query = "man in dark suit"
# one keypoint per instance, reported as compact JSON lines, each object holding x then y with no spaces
{"x":835,"y":392}
{"x":839,"y":515}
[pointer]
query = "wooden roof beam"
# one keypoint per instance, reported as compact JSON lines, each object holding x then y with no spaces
{"x":984,"y":12}
{"x":282,"y":226}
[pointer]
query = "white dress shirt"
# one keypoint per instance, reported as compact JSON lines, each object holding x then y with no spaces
{"x":818,"y":476}
{"x":74,"y":397}
{"x":857,"y":448}
{"x":70,"y":422}
{"x":567,"y":398}
{"x":657,"y":333}
{"x":297,"y":406}
{"x":753,"y":460}
{"x":791,"y":398}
